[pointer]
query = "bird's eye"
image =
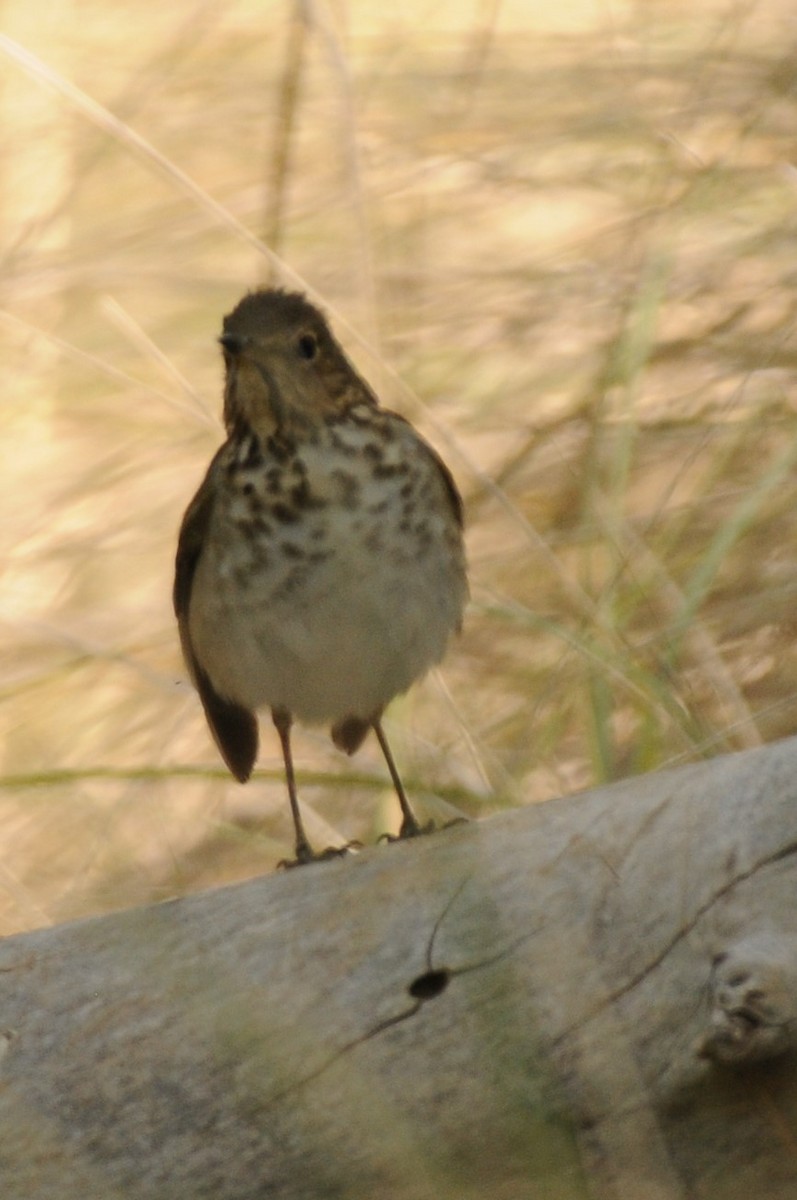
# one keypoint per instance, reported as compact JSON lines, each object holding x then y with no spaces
{"x":307,"y":346}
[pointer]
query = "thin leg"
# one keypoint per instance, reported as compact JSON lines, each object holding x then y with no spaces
{"x":409,"y":825}
{"x":283,"y":721}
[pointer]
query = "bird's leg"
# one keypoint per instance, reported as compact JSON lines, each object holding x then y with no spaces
{"x":304,"y":852}
{"x":410,"y":826}
{"x":282,"y":720}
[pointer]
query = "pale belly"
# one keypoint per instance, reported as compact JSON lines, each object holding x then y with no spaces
{"x":335,"y":611}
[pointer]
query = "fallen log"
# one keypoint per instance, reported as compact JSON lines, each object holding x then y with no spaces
{"x":596,"y":996}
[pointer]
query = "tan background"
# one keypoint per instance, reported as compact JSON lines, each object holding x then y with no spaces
{"x":561,"y":238}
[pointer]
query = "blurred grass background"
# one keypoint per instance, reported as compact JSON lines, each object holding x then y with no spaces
{"x":560,"y":239}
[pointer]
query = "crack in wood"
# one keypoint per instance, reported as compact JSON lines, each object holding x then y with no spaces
{"x":635,"y":980}
{"x":427,"y":986}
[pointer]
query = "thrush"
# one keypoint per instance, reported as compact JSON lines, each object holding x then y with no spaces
{"x":320,"y":566}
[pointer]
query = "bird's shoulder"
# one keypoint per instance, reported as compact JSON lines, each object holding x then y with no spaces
{"x":398,"y":426}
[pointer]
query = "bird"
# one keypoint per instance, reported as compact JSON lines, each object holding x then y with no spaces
{"x":320,"y":566}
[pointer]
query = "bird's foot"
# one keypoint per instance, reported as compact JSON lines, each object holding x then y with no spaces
{"x":413,"y":828}
{"x":409,"y":829}
{"x":305,"y":854}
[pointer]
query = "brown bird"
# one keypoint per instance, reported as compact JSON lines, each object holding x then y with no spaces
{"x":320,"y":567}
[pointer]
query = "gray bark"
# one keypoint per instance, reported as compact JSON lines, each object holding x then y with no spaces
{"x":591,"y":997}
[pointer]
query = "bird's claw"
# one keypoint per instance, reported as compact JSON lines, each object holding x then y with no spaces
{"x":305,"y":854}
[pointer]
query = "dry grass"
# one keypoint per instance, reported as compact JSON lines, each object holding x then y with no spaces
{"x":566,"y":251}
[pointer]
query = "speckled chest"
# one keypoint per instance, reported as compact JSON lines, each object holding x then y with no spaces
{"x":353,"y":492}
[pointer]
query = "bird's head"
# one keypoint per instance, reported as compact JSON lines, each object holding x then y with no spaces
{"x":284,"y":369}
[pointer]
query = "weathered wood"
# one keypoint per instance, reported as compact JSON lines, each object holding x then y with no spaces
{"x":542,"y":1004}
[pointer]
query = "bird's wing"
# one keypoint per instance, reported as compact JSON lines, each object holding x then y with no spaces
{"x":234,"y":728}
{"x":452,"y":490}
{"x":446,"y":478}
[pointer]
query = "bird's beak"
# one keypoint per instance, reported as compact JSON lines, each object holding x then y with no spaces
{"x":233,"y":343}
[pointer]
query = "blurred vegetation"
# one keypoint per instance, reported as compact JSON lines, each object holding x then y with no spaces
{"x":561,"y":243}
